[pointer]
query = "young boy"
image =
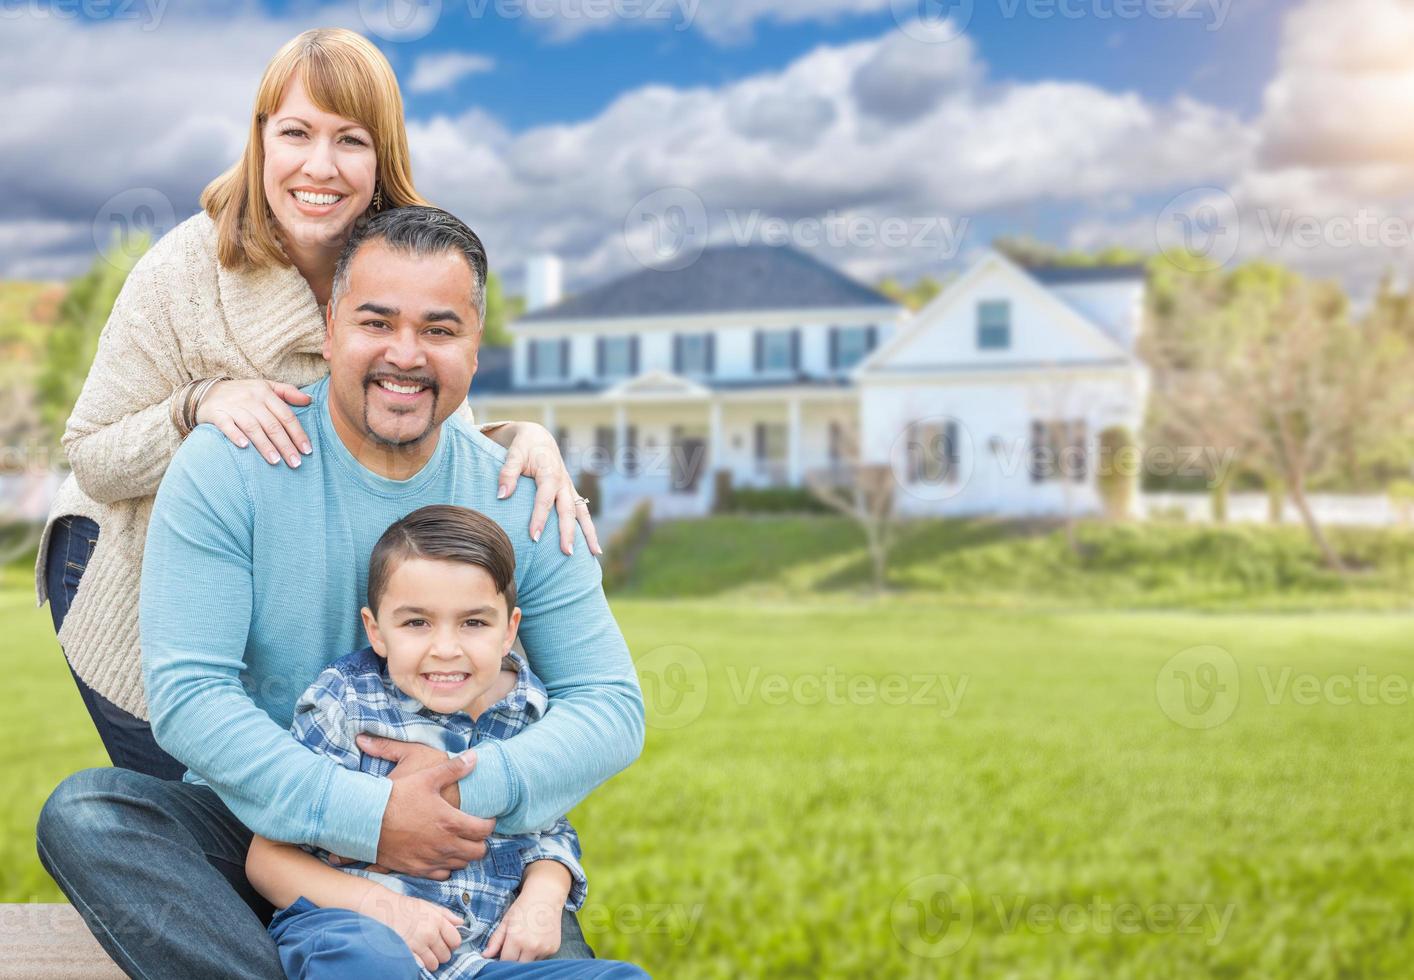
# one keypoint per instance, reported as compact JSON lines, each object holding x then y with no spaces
{"x":441,"y":618}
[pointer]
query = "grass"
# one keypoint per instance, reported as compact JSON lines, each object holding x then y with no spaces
{"x":776,"y":826}
{"x":1019,"y":565}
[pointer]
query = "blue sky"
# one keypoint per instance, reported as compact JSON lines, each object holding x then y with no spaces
{"x":1079,"y":122}
{"x":541,"y":79}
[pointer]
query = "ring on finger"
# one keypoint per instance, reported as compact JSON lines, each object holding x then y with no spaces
{"x":581,"y":500}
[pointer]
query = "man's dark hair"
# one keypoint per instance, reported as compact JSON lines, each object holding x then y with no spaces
{"x":417,"y":230}
{"x":444,"y":532}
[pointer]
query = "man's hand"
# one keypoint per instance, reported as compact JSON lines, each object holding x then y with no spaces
{"x":425,"y":836}
{"x":410,"y":757}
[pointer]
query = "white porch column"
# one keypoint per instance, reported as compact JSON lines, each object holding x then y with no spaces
{"x":793,"y":467}
{"x":716,"y":447}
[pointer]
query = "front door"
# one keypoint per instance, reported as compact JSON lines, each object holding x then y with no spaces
{"x":689,"y":458}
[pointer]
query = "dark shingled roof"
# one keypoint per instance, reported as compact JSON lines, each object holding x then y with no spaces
{"x":724,"y":279}
{"x":1066,"y":275}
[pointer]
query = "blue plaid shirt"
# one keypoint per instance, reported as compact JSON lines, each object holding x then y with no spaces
{"x":355,"y":695}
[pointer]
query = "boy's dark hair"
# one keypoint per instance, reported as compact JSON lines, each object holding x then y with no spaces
{"x":445,"y":533}
{"x":417,"y":230}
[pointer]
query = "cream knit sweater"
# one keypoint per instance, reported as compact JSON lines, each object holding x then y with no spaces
{"x":179,"y":316}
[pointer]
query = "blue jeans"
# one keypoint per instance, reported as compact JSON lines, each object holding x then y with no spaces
{"x":156,"y":867}
{"x":331,"y":944}
{"x":127,"y":738}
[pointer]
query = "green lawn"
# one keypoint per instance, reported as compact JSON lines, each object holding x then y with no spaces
{"x":997,"y":563}
{"x":851,"y":788}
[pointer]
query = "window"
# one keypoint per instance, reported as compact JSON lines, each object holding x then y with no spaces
{"x":933,"y":455}
{"x":777,"y":350}
{"x":549,"y":360}
{"x":849,"y":345}
{"x":694,"y":353}
{"x":1058,"y":450}
{"x":994,"y":325}
{"x":617,"y":357}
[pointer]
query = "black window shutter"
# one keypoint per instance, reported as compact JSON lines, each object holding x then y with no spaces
{"x":565,"y":357}
{"x":834,"y":348}
{"x":760,"y":440}
{"x":795,"y":350}
{"x":1078,"y":435}
{"x":1038,"y":444}
{"x":534,"y":348}
{"x":871,"y":339}
{"x":599,"y":356}
{"x":758,"y":356}
{"x":711,"y":353}
{"x":633,"y":355}
{"x":677,"y":354}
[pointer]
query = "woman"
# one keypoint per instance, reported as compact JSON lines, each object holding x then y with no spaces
{"x":237,"y":294}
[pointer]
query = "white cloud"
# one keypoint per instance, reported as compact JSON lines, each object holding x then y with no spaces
{"x":721,"y":21}
{"x":432,"y":72}
{"x":821,"y":135}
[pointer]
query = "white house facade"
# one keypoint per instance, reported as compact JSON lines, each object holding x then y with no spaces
{"x":763,"y":364}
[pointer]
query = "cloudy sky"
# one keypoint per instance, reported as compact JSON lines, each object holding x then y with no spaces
{"x":888,"y":136}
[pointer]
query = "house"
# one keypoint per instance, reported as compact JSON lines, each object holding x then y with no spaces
{"x":767,"y":364}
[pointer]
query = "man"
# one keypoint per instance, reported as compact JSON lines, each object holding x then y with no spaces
{"x":253,"y":579}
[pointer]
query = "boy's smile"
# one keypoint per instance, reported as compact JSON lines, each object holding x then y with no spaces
{"x":444,"y":629}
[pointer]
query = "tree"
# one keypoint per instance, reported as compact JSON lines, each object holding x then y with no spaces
{"x":73,"y":338}
{"x":499,"y":311}
{"x":914,"y":297}
{"x":1269,"y":362}
{"x":863,"y":492}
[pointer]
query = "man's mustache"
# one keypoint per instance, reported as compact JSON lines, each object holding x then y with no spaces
{"x":404,"y":379}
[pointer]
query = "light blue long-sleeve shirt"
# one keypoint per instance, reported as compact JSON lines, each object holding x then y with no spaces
{"x":252,"y":582}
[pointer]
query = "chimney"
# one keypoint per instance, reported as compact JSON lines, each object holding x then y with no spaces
{"x":542,"y":281}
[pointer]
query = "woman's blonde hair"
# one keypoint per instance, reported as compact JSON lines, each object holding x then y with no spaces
{"x":344,"y":74}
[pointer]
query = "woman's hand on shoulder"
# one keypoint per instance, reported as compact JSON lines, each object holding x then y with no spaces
{"x":258,"y":412}
{"x":533,"y":452}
